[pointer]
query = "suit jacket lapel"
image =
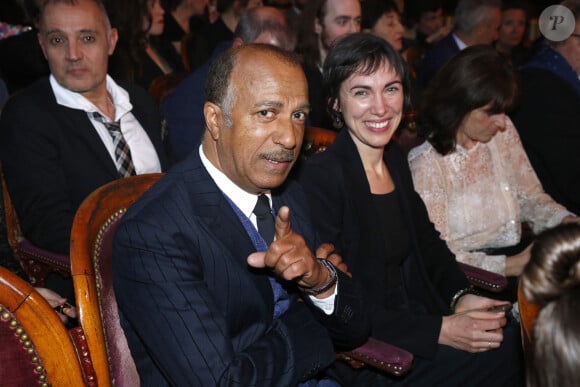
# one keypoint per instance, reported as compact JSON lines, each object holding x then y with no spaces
{"x":82,"y":127}
{"x":213,"y":209}
{"x":356,"y":178}
{"x":76,"y":123}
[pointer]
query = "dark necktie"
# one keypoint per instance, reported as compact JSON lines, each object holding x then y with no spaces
{"x":122,"y":151}
{"x":264,"y":218}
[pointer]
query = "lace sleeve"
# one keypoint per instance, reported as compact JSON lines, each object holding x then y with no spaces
{"x":537,"y":207}
{"x":430,"y":182}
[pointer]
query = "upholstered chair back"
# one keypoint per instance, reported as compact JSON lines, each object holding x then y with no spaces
{"x":91,"y":266}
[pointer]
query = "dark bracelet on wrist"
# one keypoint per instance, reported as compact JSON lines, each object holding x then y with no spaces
{"x":459,"y":294}
{"x":330,"y":282}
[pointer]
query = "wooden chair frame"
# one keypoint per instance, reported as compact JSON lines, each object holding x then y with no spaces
{"x":43,"y":334}
{"x":99,"y":210}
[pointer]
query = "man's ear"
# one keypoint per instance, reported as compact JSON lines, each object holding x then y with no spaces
{"x":317,"y":26}
{"x":41,"y":42}
{"x":214,"y":120}
{"x":113,"y":37}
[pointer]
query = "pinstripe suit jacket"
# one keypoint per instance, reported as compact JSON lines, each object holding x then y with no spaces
{"x":193,"y":311}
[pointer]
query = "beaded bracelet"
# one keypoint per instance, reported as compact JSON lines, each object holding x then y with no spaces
{"x":460,"y":294}
{"x":332,"y":278}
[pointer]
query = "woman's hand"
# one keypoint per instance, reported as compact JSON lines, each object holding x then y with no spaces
{"x":514,"y":265}
{"x":473,"y":328}
{"x":56,"y":301}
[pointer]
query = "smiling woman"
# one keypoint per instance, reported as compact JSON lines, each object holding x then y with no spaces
{"x":363,"y":201}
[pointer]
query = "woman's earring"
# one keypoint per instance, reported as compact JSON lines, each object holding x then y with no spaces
{"x":337,"y":123}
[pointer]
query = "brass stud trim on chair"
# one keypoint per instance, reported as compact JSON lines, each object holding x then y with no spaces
{"x":27,"y":344}
{"x":96,"y":263}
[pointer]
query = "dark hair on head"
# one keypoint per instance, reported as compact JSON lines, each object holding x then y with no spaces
{"x":475,"y":77}
{"x":515,"y":4}
{"x":260,"y":20}
{"x":307,"y":41}
{"x":471,"y":13}
{"x":554,"y":265}
{"x":224,"y":5}
{"x":417,"y":8}
{"x":373,"y":10}
{"x":217,"y":86}
{"x":127,"y":17}
{"x":359,"y":53}
{"x":31,"y":10}
{"x":171,"y":5}
{"x":44,"y":3}
{"x":551,"y":279}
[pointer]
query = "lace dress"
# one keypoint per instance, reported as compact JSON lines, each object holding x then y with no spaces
{"x":478,"y":197}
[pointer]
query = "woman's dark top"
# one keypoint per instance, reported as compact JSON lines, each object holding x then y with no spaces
{"x":344,"y":213}
{"x":172,"y":31}
{"x":151,"y":70}
{"x":395,"y":235}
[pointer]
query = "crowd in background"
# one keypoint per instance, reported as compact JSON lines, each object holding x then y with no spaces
{"x":489,"y":160}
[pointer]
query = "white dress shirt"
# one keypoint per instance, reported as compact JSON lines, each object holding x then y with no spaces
{"x":246,"y":202}
{"x":143,"y":152}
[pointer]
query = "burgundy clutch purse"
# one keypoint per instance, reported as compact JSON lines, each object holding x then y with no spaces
{"x":484,"y":279}
{"x":378,"y":354}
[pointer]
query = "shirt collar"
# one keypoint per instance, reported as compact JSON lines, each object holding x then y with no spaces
{"x":74,"y":100}
{"x":462,"y":46}
{"x":245,"y":201}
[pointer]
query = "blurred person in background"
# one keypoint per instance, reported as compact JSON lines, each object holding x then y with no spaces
{"x":323,"y":23}
{"x":382,"y":18}
{"x":178,"y":19}
{"x":183,"y":109}
{"x":548,"y":116}
{"x":511,"y":33}
{"x":476,"y":22}
{"x":140,"y":56}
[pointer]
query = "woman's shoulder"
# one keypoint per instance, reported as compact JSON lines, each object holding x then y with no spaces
{"x":421,"y":152}
{"x":327,"y":160}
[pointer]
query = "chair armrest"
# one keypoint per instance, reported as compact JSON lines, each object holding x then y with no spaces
{"x":59,"y":261}
{"x":378,"y":354}
{"x":484,"y":279}
{"x":39,"y":263}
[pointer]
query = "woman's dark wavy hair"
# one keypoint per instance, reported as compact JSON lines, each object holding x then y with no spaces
{"x":552,"y":280}
{"x":127,"y":16}
{"x":474,"y":78}
{"x":360,"y":53}
{"x":307,"y":40}
{"x":373,"y":10}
